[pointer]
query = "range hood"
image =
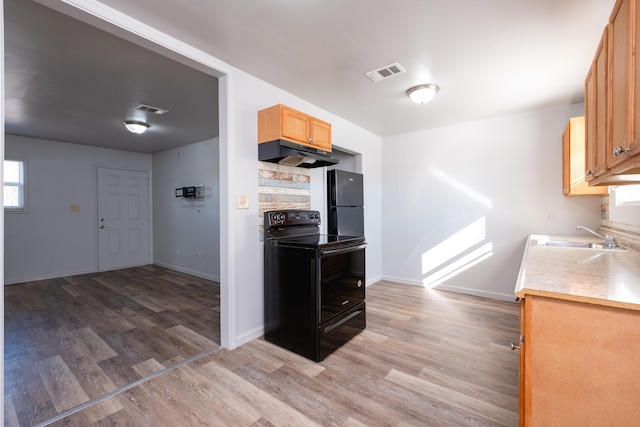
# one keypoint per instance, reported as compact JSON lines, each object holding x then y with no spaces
{"x":291,"y":154}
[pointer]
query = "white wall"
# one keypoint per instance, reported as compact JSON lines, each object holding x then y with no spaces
{"x":51,"y":240}
{"x":247,"y":96}
{"x":182,"y":227}
{"x":504,"y":172}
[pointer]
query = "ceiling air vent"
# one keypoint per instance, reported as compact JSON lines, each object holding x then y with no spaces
{"x":150,"y":109}
{"x":386,"y":72}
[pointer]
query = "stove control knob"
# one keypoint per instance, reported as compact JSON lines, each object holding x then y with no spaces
{"x":277,"y":217}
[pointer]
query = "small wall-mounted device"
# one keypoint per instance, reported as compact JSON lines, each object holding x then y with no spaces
{"x":194,"y":192}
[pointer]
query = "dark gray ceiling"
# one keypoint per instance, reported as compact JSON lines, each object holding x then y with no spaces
{"x":68,"y":81}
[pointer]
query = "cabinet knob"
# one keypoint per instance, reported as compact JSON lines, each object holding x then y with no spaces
{"x":311,"y":140}
{"x":514,"y":346}
{"x":588,"y":172}
{"x":619,"y":150}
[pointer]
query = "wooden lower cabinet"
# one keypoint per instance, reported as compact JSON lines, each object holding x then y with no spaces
{"x":523,"y":367}
{"x":580,"y":364}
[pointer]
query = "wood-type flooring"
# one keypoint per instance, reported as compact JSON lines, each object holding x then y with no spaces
{"x":73,"y":339}
{"x":427,"y":358}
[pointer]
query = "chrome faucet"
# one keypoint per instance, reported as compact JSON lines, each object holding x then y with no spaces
{"x":609,"y":241}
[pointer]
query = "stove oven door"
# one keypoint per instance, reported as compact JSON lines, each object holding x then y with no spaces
{"x":342,"y":280}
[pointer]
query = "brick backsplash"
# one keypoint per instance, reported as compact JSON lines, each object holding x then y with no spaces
{"x":281,"y":187}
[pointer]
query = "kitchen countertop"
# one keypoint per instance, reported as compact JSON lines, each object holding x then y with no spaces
{"x":597,"y":276}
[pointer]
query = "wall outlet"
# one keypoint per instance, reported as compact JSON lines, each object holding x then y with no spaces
{"x":242,"y":201}
{"x":548,"y":216}
{"x":200,"y":256}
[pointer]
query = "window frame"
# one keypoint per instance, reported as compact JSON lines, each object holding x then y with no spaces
{"x":21,"y":186}
{"x":622,"y":199}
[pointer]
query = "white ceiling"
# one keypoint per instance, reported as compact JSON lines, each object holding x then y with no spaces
{"x":490,"y":57}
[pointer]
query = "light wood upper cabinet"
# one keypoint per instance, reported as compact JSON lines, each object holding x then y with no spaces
{"x":282,"y":122}
{"x":612,"y":101}
{"x":620,"y":83}
{"x":320,"y":134}
{"x":573,"y":161}
{"x":595,"y":106}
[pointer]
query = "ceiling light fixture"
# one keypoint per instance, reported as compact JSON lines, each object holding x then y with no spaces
{"x":423,"y":93}
{"x":135,"y":127}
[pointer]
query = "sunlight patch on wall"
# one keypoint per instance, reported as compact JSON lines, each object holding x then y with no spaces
{"x":461,"y":241}
{"x":472,"y":258}
{"x":470,"y":192}
{"x":437,"y":260}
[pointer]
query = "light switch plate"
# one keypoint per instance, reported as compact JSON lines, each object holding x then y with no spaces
{"x":242,"y":201}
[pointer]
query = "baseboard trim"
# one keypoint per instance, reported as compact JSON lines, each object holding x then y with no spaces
{"x":458,"y":289}
{"x":187,"y":271}
{"x":374,"y":280}
{"x":249,"y":336}
{"x":18,"y":280}
{"x":478,"y":293}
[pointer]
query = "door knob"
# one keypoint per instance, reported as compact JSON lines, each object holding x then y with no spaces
{"x":514,"y":346}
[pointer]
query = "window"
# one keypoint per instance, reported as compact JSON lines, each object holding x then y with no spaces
{"x":627,"y":195}
{"x":14,"y":192}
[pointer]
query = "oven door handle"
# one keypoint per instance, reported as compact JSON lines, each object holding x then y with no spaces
{"x":342,"y":250}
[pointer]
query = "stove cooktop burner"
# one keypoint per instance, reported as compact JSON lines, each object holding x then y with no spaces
{"x":321,"y":240}
{"x":301,"y":228}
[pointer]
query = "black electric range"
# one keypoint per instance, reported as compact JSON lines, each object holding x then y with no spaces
{"x":314,"y":284}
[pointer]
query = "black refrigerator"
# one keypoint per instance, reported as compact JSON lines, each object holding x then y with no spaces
{"x":345,"y":203}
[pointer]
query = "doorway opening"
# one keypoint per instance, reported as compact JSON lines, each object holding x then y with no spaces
{"x":108,"y":161}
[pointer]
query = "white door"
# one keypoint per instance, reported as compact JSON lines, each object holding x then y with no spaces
{"x":123,"y":219}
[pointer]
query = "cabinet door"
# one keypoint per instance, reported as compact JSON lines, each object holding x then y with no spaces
{"x":295,"y":126}
{"x":566,"y":160}
{"x":573,"y":161}
{"x":523,"y":364}
{"x":590,"y":119}
{"x":581,"y":364}
{"x":320,"y":135}
{"x":595,"y":105}
{"x":634,"y":147}
{"x":620,"y":52}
